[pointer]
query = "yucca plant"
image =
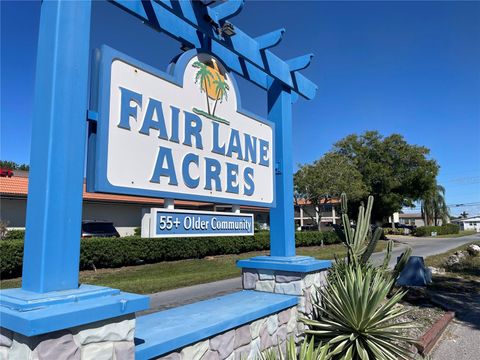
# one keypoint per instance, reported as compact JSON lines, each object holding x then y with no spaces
{"x":361,"y":242}
{"x":356,"y":318}
{"x":308,"y":351}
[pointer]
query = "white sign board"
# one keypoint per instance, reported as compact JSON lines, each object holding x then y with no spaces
{"x":158,"y":223}
{"x":179,"y":136}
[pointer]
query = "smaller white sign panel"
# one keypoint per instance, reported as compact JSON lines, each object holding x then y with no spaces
{"x":179,"y":136}
{"x":188,"y":223}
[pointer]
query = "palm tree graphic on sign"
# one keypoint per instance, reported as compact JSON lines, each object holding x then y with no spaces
{"x":213,"y":83}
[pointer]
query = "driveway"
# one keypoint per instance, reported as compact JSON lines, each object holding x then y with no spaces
{"x":421,"y":247}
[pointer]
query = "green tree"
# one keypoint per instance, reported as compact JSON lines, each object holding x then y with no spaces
{"x":203,"y":75}
{"x":396,"y":173}
{"x":464,"y":215}
{"x":13,"y":165}
{"x":434,"y":207}
{"x":221,"y":88}
{"x":328,"y":177}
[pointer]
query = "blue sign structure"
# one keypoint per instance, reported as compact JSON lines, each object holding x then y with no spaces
{"x":62,"y":114}
{"x":177,"y":145}
{"x":176,"y":223}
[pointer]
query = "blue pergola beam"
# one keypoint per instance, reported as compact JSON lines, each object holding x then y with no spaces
{"x":300,"y":62}
{"x":270,"y":39}
{"x":185,"y":20}
{"x":225,"y":10}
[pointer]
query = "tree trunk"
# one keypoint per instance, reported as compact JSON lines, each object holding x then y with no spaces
{"x":216,"y":101}
{"x":206,"y":94}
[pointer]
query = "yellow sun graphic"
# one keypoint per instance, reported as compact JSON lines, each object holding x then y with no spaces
{"x":211,"y":88}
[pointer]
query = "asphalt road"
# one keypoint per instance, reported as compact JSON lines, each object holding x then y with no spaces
{"x":187,"y":295}
{"x":422,"y":246}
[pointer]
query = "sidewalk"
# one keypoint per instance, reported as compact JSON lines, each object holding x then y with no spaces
{"x":461,"y":341}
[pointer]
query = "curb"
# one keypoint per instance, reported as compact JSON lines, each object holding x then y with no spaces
{"x":430,"y":338}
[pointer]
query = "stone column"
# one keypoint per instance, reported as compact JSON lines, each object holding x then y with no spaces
{"x":302,"y":284}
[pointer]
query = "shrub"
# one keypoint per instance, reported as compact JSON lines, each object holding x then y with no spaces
{"x":14,"y":235}
{"x":446,"y":229}
{"x":134,"y":250}
{"x":11,"y":255}
{"x":392,"y":231}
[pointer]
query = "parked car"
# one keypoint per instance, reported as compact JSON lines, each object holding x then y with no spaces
{"x":309,"y":228}
{"x":399,"y":226}
{"x":6,"y":172}
{"x":98,"y":228}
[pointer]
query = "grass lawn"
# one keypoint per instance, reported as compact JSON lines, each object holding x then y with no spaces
{"x":458,"y":288}
{"x":147,"y":279}
{"x":468,"y":267}
{"x":460,"y":234}
{"x":437,"y":260}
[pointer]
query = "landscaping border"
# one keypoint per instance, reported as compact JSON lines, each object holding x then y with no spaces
{"x":432,"y":335}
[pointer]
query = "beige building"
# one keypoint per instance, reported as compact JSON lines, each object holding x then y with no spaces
{"x":124,"y":211}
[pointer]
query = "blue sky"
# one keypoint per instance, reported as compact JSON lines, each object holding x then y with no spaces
{"x":397,"y":67}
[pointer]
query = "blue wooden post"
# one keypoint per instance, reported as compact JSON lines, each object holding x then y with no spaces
{"x":54,"y":210}
{"x":282,"y":227}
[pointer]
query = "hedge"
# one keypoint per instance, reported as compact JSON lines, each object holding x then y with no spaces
{"x":14,"y":235}
{"x":392,"y":231}
{"x":134,"y":250}
{"x":446,"y":229}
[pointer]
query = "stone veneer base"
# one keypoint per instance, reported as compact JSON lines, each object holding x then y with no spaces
{"x":299,"y":275}
{"x":230,"y":322}
{"x":107,"y":339}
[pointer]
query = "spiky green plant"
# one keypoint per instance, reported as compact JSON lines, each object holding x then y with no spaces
{"x":308,"y":351}
{"x":356,"y":318}
{"x":361,"y":243}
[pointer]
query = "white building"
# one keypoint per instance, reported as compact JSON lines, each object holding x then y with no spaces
{"x":472,"y":223}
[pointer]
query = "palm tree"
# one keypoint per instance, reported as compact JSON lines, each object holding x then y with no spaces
{"x":434,"y":206}
{"x":221,"y":88}
{"x":464,"y":215}
{"x":203,"y":75}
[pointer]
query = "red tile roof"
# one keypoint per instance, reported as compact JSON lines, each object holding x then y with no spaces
{"x":18,"y":186}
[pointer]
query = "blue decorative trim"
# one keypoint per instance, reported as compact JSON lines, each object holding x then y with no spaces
{"x":30,"y":313}
{"x":189,"y":24}
{"x":100,"y":139}
{"x":160,"y":333}
{"x":303,"y":264}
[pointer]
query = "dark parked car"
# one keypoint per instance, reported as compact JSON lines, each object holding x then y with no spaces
{"x":399,"y":226}
{"x":309,"y":228}
{"x":98,"y":228}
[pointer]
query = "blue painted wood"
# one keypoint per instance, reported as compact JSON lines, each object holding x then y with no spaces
{"x":282,"y":227}
{"x":54,"y":208}
{"x":300,"y":62}
{"x":225,"y":10}
{"x":186,"y":21}
{"x":270,"y":39}
{"x":30,"y":314}
{"x":162,"y":332}
{"x":299,"y":264}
